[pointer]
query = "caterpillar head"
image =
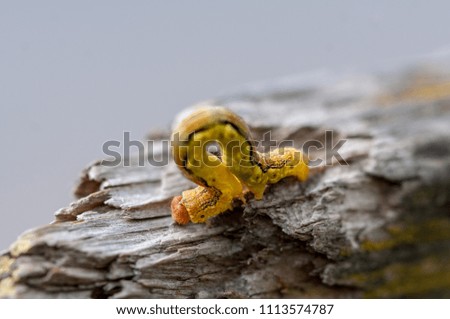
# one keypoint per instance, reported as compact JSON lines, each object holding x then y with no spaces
{"x":179,"y":213}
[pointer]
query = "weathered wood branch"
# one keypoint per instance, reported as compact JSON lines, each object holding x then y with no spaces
{"x":377,"y":227}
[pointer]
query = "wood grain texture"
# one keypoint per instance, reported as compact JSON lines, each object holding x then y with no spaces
{"x":377,"y":227}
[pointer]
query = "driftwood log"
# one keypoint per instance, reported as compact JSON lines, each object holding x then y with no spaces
{"x":377,"y":227}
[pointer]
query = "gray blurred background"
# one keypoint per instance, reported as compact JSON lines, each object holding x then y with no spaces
{"x":76,"y":74}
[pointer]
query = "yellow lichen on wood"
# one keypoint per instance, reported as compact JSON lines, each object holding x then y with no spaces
{"x":428,"y":231}
{"x":21,"y":246}
{"x":5,"y":264}
{"x":7,"y":288}
{"x":407,"y":278}
{"x":404,"y":279}
{"x":7,"y":283}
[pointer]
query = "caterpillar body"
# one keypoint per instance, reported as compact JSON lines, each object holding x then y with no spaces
{"x":226,"y":176}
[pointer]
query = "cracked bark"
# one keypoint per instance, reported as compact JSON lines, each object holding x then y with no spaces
{"x":377,"y":227}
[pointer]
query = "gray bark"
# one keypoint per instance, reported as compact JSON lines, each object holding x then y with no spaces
{"x":377,"y":227}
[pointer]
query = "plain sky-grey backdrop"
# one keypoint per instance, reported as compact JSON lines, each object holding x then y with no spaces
{"x":74,"y":74}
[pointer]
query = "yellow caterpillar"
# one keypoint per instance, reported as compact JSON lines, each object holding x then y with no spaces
{"x":238,"y":168}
